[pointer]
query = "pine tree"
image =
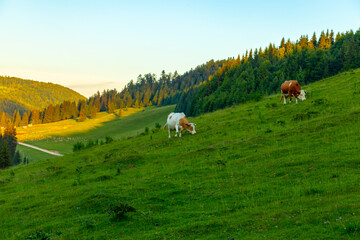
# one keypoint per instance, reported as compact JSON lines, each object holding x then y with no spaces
{"x":310,"y":45}
{"x":332,"y":40}
{"x":10,"y":137}
{"x":111,"y":106}
{"x":5,"y":158}
{"x":16,"y":118}
{"x":49,"y":114}
{"x":82,"y":116}
{"x":338,"y":36}
{"x":282,"y":44}
{"x":129,"y":101}
{"x":25,"y":119}
{"x":314,"y":40}
{"x":16,"y":159}
{"x":57,"y":113}
{"x":35,"y":117}
{"x":93,"y":113}
{"x":3,"y":121}
{"x":137,"y":104}
{"x":155,"y":98}
{"x":303,"y":41}
{"x":322,"y":41}
{"x":74,"y":112}
{"x":289,"y":48}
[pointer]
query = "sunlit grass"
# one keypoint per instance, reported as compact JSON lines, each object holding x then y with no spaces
{"x":69,"y":126}
{"x":131,"y":122}
{"x":259,"y":170}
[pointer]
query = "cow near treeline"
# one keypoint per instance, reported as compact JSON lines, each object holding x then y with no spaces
{"x":292,"y":88}
{"x":179,"y":122}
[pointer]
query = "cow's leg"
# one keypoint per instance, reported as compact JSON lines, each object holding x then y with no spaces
{"x":296,"y":101}
{"x":180,"y":132}
{"x":283,"y":96}
{"x":290,"y":97}
{"x":169,"y":133}
{"x":177,"y":130}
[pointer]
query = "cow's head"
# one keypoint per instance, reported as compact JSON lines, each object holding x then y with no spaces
{"x":302,"y":95}
{"x":191,"y":128}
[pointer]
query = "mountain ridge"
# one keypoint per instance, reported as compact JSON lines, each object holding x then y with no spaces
{"x":25,"y":94}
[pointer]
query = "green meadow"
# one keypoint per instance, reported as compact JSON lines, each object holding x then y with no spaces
{"x":259,"y":170}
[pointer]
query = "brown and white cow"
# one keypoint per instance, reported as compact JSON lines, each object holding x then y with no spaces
{"x":178,"y":121}
{"x":292,"y":88}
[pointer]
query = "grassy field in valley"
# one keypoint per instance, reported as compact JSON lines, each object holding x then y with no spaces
{"x":259,"y":170}
{"x":62,"y":140}
{"x":68,"y":127}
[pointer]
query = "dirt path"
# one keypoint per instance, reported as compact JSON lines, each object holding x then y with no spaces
{"x":41,"y":149}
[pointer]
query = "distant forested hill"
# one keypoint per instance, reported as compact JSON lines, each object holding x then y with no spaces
{"x":24,"y":95}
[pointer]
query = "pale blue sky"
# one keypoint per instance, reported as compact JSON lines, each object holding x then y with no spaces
{"x":96,"y":45}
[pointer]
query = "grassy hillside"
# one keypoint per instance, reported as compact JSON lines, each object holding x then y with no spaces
{"x":258,"y":170}
{"x":66,"y":133}
{"x":24,"y":95}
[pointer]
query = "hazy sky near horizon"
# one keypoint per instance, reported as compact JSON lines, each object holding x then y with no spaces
{"x":96,"y":45}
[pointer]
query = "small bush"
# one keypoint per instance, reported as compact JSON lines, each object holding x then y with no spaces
{"x":78,"y":146}
{"x":146,"y":130}
{"x":352,"y":228}
{"x":118,"y":212}
{"x":78,"y":176}
{"x":89,"y":224}
{"x":108,"y":139}
{"x":313,"y":192}
{"x":103,"y":178}
{"x":157,"y":125}
{"x":280,"y":122}
{"x":221,"y":162}
{"x":39,"y":235}
{"x":261,"y":117}
{"x":304,"y":116}
{"x":90,"y":144}
{"x":268,"y":130}
{"x":271,"y":105}
{"x":320,"y":101}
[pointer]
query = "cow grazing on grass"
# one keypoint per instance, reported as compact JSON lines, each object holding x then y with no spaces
{"x":292,"y":88}
{"x":178,"y":122}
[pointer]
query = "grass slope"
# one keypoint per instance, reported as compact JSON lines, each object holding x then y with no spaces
{"x":129,"y":124}
{"x":258,"y":170}
{"x":14,"y":94}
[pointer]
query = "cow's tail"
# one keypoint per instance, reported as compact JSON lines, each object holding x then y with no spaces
{"x":165,"y":126}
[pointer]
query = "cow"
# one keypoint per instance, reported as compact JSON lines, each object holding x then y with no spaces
{"x":292,"y":87}
{"x":179,"y":122}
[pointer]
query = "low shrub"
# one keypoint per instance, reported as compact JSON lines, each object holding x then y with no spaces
{"x":108,"y":139}
{"x":78,"y":146}
{"x":118,"y":211}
